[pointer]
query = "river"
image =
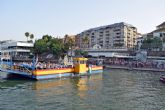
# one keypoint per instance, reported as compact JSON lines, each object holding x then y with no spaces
{"x":112,"y":90}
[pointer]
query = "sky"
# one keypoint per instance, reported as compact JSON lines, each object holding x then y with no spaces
{"x":60,"y":17}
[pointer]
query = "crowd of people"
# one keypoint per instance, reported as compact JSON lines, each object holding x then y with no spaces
{"x":136,"y":64}
{"x":43,"y":65}
{"x":51,"y":65}
{"x":153,"y":64}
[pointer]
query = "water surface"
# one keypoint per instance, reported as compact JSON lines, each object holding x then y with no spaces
{"x":112,"y":90}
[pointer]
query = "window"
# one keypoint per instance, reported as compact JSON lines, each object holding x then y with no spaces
{"x":107,"y":34}
{"x":81,"y":62}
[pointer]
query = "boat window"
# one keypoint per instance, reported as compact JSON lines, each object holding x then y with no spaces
{"x":76,"y":62}
{"x":81,"y":62}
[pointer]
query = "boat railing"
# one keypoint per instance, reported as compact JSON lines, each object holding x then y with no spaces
{"x":22,"y":69}
{"x":5,"y":66}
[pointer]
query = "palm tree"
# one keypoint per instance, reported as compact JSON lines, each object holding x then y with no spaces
{"x":85,"y":41}
{"x":71,"y":43}
{"x":31,"y":37}
{"x":27,"y":35}
{"x":65,"y":38}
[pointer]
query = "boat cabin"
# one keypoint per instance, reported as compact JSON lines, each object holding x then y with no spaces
{"x":80,"y":65}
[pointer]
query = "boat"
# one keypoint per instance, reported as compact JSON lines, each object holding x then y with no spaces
{"x":162,"y":78}
{"x":79,"y":68}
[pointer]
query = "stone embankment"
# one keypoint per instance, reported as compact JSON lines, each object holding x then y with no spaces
{"x":134,"y":68}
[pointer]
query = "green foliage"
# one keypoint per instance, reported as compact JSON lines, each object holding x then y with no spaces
{"x":81,"y":53}
{"x":85,"y":41}
{"x":50,"y":45}
{"x":47,"y":38}
{"x":57,"y":49}
{"x":31,"y":36}
{"x":27,"y":35}
{"x":78,"y":52}
{"x":84,"y":53}
{"x":40,"y":46}
{"x":163,"y":39}
{"x":69,"y":43}
{"x":152,"y":43}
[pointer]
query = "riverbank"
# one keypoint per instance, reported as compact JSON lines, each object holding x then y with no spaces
{"x":133,"y":68}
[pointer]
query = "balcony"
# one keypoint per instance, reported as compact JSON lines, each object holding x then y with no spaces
{"x":16,"y":50}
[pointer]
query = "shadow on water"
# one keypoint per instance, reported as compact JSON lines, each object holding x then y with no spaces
{"x":12,"y":81}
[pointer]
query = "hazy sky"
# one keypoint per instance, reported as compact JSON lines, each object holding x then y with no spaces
{"x":60,"y":17}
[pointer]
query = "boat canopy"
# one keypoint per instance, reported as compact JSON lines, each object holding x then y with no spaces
{"x":80,"y":59}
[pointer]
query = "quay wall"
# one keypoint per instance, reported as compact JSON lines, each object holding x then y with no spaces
{"x":133,"y":68}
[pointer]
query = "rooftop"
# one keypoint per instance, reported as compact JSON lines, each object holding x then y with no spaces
{"x":159,"y":30}
{"x":161,"y":25}
{"x":110,"y":26}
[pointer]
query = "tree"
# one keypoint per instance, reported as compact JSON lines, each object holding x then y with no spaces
{"x":47,"y":38}
{"x":49,"y":44}
{"x":57,"y":49}
{"x":56,"y":46}
{"x":40,"y":46}
{"x":31,"y":37}
{"x":163,"y":39}
{"x":152,"y":44}
{"x":27,"y":35}
{"x":65,"y":38}
{"x":85,"y":41}
{"x":157,"y":43}
{"x":79,"y":52}
{"x":69,"y":43}
{"x":84,"y":53}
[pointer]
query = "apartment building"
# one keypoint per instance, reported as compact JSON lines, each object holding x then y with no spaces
{"x":118,"y":35}
{"x":160,"y":31}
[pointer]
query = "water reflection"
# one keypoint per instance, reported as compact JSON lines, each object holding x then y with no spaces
{"x":47,"y":84}
{"x":87,"y":84}
{"x":81,"y":86}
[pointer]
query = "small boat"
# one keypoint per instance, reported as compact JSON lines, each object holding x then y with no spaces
{"x":162,"y":78}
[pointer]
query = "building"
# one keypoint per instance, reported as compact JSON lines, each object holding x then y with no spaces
{"x":12,"y":48}
{"x":139,"y":41}
{"x":161,"y":26}
{"x":114,"y":36}
{"x":158,"y":32}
